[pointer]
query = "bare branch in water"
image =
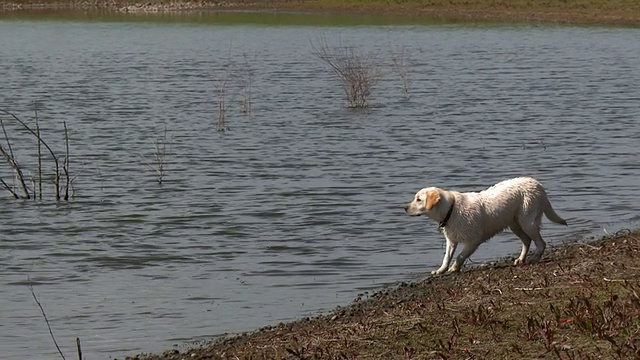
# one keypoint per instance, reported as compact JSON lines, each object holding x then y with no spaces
{"x":37,"y":125}
{"x":401,"y":68}
{"x":44,"y":315}
{"x":160,"y":154}
{"x":79,"y":348}
{"x":357,"y":71}
{"x":247,"y":83}
{"x":53,"y":154}
{"x":9,"y":156}
{"x":162,"y":148}
{"x":65,"y":166}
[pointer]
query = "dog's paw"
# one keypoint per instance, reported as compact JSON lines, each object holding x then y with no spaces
{"x":438,"y":272}
{"x":518,"y":261}
{"x":453,"y":269}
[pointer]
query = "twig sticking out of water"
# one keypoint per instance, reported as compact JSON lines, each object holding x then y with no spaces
{"x":401,"y":68}
{"x":162,"y":147}
{"x":247,"y":84}
{"x":357,"y":71}
{"x":39,"y":153}
{"x":221,"y":86}
{"x":65,"y":165}
{"x":160,"y":154}
{"x":221,"y":108}
{"x":10,"y":157}
{"x":44,"y":315}
{"x":79,"y":348}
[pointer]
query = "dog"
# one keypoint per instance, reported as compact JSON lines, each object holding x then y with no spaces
{"x":474,"y":217}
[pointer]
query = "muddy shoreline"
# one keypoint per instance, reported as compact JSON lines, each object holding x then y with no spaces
{"x":582,"y":301}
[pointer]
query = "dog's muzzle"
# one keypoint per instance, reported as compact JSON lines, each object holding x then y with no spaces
{"x":406,"y":210}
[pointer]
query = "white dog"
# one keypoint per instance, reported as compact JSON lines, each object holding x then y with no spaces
{"x":473,"y":218}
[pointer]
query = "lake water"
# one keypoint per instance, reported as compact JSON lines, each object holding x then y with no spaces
{"x":297,"y":208}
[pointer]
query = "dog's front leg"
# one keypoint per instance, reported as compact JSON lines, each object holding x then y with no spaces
{"x":448,"y":253}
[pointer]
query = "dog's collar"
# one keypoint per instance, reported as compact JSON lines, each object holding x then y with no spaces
{"x":444,"y":222}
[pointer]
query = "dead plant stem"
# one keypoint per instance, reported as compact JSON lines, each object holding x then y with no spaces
{"x":65,"y":166}
{"x":11,"y":159}
{"x":44,"y":315}
{"x":53,"y":154}
{"x":38,"y":150}
{"x":79,"y":348}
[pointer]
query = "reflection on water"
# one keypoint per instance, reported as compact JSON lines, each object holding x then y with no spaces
{"x":298,"y":208}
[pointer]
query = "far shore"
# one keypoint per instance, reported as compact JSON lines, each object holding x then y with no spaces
{"x":595,"y":12}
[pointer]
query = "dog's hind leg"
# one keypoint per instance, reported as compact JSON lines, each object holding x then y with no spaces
{"x":468,"y":249}
{"x":533,"y":231}
{"x":526,"y":242}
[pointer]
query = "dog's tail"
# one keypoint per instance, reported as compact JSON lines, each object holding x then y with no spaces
{"x":551,"y":215}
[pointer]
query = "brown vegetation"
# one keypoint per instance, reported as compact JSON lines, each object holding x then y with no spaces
{"x":19,"y":174}
{"x":581,"y":302}
{"x":612,"y":12}
{"x":358,"y":72}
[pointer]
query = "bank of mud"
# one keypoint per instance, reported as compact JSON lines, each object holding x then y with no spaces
{"x":581,"y":302}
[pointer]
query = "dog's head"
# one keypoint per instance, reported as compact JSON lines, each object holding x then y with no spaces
{"x":425,"y":200}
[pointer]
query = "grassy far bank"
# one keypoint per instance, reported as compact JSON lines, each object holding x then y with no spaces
{"x":606,"y":12}
{"x":581,"y":302}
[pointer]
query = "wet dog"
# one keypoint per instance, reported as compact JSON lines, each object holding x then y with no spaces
{"x":472,"y":218}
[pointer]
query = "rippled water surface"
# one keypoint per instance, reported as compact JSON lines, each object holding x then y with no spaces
{"x":297,"y":207}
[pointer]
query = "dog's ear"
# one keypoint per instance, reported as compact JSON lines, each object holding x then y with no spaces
{"x":433,"y":197}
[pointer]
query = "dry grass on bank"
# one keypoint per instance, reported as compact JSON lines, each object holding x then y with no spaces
{"x":609,"y":12}
{"x":581,"y":302}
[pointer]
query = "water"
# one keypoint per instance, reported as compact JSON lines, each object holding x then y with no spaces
{"x":297,"y":207}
